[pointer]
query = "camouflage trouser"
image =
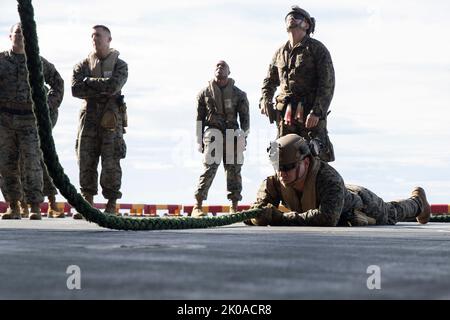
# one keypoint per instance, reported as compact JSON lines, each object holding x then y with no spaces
{"x":48,"y":189}
{"x":384,"y":212}
{"x":19,"y":138}
{"x":320,"y":132}
{"x":232,"y":171}
{"x":93,"y":143}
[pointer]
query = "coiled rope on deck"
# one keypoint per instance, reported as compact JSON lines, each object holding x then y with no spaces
{"x":440,"y":218}
{"x":60,"y":179}
{"x":56,"y":171}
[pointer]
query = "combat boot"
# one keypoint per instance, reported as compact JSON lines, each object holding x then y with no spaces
{"x":89,"y":199}
{"x":110,"y":207}
{"x":35,"y":212}
{"x":53,"y":211}
{"x":13,"y":211}
{"x":24,"y":212}
{"x":424,"y":216}
{"x":197,"y":211}
{"x":233,"y":207}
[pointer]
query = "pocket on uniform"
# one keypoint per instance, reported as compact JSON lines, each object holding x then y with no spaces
{"x":120,"y":148}
{"x":80,"y":129}
{"x":109,"y":120}
{"x":228,"y":103}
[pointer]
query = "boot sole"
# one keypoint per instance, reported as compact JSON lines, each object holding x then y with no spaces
{"x":11,"y":218}
{"x":424,"y":216}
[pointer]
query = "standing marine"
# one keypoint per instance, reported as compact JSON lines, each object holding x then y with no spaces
{"x":98,"y":80}
{"x":303,"y":72}
{"x":21,"y":167}
{"x":221,"y":136}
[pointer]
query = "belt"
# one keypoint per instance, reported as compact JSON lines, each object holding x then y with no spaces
{"x":16,"y":111}
{"x":17,"y":108}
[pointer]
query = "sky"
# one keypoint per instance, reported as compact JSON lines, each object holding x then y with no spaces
{"x":389,"y":115}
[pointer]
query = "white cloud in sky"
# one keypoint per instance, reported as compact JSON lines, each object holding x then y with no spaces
{"x":389,"y":120}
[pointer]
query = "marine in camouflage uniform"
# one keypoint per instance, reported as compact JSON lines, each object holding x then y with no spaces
{"x":218,"y":108}
{"x":98,"y":80}
{"x":20,"y":155}
{"x":315,"y":194}
{"x":303,"y":70}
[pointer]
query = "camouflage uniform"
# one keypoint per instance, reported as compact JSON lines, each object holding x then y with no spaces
{"x":102,"y":121}
{"x":21,"y":157}
{"x":335,"y":203}
{"x":212,"y":118}
{"x":305,"y":75}
{"x":49,"y":188}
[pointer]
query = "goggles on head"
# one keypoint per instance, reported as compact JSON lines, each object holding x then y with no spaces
{"x":297,"y":16}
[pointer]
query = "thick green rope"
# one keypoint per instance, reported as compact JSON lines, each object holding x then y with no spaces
{"x":56,"y":171}
{"x":440,"y":218}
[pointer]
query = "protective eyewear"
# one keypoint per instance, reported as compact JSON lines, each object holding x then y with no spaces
{"x":297,"y":16}
{"x":286,"y":167}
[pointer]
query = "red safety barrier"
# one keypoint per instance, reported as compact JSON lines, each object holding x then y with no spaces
{"x":440,"y":209}
{"x":172,"y":209}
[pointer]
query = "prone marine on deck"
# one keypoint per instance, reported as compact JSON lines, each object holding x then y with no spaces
{"x":316,"y":195}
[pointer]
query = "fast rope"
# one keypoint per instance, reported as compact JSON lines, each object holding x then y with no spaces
{"x":440,"y":218}
{"x":60,"y":179}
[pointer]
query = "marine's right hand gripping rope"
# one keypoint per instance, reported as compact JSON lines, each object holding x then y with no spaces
{"x":55,"y":170}
{"x":61,"y":180}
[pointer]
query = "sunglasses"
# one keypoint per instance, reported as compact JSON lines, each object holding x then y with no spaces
{"x":286,"y":167}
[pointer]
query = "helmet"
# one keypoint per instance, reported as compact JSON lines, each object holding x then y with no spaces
{"x":306,"y":15}
{"x":287,"y":151}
